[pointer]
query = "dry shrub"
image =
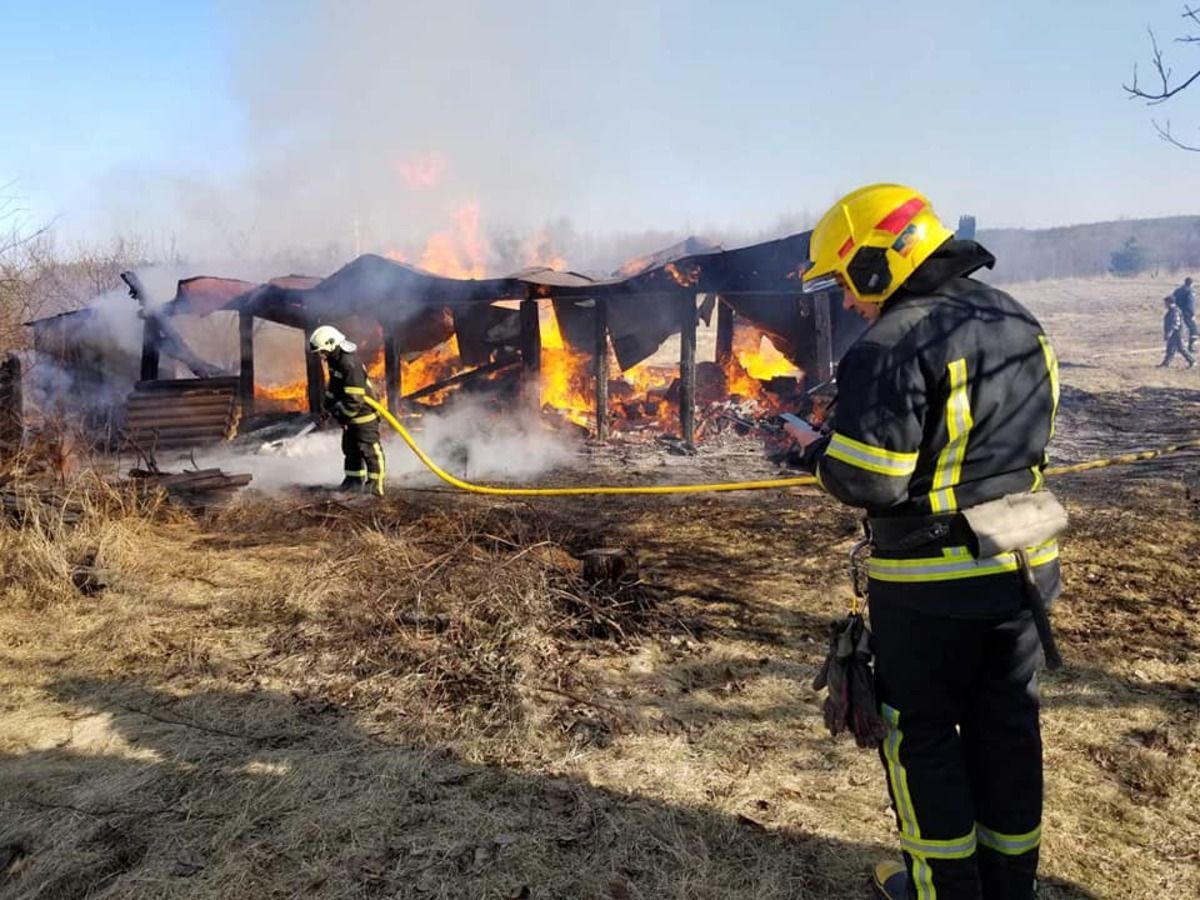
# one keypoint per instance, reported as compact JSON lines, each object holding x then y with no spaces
{"x":49,"y":532}
{"x":445,"y":619}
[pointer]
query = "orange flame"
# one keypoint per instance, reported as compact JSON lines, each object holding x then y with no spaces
{"x":684,"y":278}
{"x":291,"y":397}
{"x":566,"y":375}
{"x":459,"y":252}
{"x":431,"y":367}
{"x":759,"y":357}
{"x":646,"y":402}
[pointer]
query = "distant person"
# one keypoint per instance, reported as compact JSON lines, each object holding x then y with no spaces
{"x":1173,"y":332}
{"x":1185,"y":299}
{"x":346,"y":400}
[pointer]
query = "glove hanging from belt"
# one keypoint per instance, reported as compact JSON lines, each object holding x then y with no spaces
{"x":850,"y":703}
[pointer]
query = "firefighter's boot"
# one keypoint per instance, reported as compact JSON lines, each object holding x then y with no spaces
{"x":889,"y":881}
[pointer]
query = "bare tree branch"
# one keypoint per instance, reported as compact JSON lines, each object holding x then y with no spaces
{"x":1164,"y":132}
{"x":1165,"y":90}
{"x":1167,"y":85}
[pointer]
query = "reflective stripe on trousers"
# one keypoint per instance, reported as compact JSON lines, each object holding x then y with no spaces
{"x":1009,"y":844}
{"x":955,"y":563}
{"x":921,"y":849}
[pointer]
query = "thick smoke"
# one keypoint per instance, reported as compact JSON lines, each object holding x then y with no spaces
{"x":367,"y":126}
{"x":470,"y":441}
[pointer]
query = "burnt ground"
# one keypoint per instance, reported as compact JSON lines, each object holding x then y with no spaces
{"x":423,"y":698}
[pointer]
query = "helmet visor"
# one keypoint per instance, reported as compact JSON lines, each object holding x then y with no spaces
{"x":815,"y":284}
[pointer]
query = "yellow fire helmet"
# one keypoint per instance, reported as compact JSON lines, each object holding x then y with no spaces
{"x":872,"y":240}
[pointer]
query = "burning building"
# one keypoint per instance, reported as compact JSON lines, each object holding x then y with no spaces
{"x":571,"y":344}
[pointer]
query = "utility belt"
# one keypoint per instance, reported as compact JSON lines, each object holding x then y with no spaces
{"x":1015,"y":533}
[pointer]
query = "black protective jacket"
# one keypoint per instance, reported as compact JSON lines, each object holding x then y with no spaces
{"x":947,"y":401}
{"x":348,"y":386}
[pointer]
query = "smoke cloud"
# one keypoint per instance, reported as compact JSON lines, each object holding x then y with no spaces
{"x":367,"y":126}
{"x":470,"y":440}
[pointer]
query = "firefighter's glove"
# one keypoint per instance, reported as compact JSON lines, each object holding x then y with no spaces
{"x":788,"y":457}
{"x":846,"y":673}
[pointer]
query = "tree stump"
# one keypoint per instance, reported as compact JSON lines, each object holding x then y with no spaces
{"x":610,"y":565}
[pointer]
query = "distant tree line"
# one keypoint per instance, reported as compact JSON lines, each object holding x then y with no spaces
{"x":1105,"y":248}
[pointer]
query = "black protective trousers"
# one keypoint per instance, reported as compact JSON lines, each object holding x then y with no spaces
{"x":963,"y":755}
{"x":365,"y":462}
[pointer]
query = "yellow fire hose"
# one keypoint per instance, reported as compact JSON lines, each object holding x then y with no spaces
{"x":761,"y":485}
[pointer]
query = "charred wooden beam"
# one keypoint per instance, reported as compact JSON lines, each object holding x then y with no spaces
{"x":193,"y":489}
{"x":500,"y":364}
{"x":165,"y":335}
{"x":220,"y":419}
{"x":531,"y":351}
{"x":12,"y":414}
{"x":150,"y":352}
{"x":316,"y":382}
{"x":391,"y":373}
{"x":188,"y":402}
{"x":600,"y":366}
{"x":246,"y":351}
{"x":823,"y":327}
{"x":725,"y":325}
{"x":179,"y":387}
{"x":687,"y":368}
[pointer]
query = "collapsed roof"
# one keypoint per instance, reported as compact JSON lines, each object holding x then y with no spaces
{"x":421,"y":309}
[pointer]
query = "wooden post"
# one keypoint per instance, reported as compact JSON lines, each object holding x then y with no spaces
{"x":316,"y":381}
{"x":150,"y":355}
{"x":531,"y":352}
{"x":12,"y":415}
{"x":823,"y":324}
{"x":687,"y":368}
{"x":391,"y":373}
{"x":246,"y":349}
{"x":724,"y":333}
{"x":600,"y":348}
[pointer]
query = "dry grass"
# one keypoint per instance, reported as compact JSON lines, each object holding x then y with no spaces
{"x":421,"y":698}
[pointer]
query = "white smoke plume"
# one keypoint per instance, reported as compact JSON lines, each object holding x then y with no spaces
{"x":367,"y":126}
{"x":469,"y":440}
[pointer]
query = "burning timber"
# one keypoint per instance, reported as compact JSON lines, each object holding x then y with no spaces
{"x":577,"y":347}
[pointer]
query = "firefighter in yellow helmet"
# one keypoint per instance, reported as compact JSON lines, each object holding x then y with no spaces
{"x":345,"y":400}
{"x":945,"y":407}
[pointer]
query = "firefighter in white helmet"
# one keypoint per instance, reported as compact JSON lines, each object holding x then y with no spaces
{"x":345,"y":395}
{"x":945,"y":407}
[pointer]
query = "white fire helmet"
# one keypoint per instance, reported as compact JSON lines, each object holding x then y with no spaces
{"x":326,"y":339}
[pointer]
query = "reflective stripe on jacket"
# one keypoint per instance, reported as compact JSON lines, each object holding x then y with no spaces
{"x":947,"y":401}
{"x":348,"y":385}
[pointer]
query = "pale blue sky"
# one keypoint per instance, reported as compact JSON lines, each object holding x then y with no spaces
{"x":286,"y":120}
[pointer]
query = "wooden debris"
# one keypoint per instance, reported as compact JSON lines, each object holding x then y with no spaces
{"x":20,"y":503}
{"x":499,"y":365}
{"x":169,"y":414}
{"x":196,"y":489}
